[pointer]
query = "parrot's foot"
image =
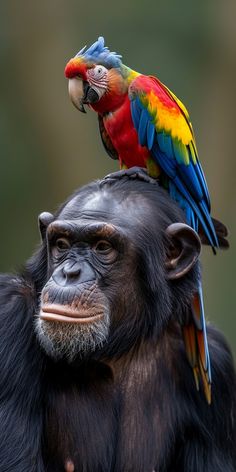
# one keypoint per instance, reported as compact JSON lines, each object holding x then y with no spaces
{"x":132,"y":173}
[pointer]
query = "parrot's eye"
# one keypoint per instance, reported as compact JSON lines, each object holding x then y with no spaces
{"x":99,"y":72}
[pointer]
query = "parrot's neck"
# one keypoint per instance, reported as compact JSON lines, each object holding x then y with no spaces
{"x":128,"y":74}
{"x":114,"y":98}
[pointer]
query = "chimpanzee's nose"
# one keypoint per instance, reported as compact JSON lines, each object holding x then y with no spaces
{"x":71,"y":270}
{"x":72,"y":273}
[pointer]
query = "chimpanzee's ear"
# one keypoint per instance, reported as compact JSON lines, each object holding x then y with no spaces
{"x":44,"y":220}
{"x":183,"y":251}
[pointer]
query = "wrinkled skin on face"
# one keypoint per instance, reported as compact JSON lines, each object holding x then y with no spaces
{"x":84,"y":254}
{"x":94,"y":292}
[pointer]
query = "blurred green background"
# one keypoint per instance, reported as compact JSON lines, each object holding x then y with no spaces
{"x":48,"y":148}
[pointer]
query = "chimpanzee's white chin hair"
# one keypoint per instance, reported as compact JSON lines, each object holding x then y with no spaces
{"x":71,"y":340}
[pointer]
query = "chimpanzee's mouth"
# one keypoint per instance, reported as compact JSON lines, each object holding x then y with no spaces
{"x":66,"y":314}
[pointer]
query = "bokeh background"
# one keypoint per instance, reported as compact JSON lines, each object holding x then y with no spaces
{"x":48,"y":148}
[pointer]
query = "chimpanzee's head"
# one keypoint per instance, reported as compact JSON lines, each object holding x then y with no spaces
{"x":121,"y":266}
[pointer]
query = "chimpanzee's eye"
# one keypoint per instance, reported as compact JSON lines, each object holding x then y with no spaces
{"x":105,"y":251}
{"x":62,"y":244}
{"x":103,"y":247}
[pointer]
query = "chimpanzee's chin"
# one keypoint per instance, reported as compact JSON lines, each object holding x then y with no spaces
{"x":69,"y":340}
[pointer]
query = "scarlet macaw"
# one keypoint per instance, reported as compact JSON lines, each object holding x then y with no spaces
{"x":142,"y":123}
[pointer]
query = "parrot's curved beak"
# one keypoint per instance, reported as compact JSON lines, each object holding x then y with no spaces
{"x":81,"y":93}
{"x":76,"y":93}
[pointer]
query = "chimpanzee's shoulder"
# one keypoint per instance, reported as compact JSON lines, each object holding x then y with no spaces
{"x":16,"y":294}
{"x":15,"y":284}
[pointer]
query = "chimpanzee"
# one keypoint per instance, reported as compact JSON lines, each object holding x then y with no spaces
{"x":93,"y":372}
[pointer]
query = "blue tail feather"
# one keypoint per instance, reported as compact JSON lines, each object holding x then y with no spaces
{"x":209,"y":222}
{"x":201,"y":176}
{"x":207,"y":364}
{"x":200,"y":324}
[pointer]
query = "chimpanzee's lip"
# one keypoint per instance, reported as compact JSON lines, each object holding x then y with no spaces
{"x":67,"y":314}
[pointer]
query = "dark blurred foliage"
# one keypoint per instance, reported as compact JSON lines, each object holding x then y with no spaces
{"x":48,"y":148}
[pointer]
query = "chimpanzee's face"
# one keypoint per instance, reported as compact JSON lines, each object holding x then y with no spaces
{"x":107,"y":264}
{"x":89,"y":263}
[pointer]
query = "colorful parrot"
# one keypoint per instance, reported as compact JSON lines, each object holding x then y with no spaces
{"x":142,"y":123}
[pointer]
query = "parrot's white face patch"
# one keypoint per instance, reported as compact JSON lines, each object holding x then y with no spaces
{"x":98,"y":79}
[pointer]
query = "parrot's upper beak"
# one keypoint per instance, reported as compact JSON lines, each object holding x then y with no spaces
{"x":76,"y":92}
{"x":81,"y":93}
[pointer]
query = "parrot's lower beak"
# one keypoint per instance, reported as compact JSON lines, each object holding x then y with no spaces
{"x":81,"y":93}
{"x":77,"y":93}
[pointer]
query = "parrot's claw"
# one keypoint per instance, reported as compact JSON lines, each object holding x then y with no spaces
{"x":132,"y":173}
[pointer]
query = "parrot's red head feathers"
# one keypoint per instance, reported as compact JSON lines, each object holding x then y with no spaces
{"x":76,"y":66}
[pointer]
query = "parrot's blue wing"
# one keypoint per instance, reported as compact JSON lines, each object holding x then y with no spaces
{"x":177,"y":158}
{"x":179,"y":163}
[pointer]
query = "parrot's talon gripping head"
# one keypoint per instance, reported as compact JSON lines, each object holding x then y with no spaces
{"x":132,"y":173}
